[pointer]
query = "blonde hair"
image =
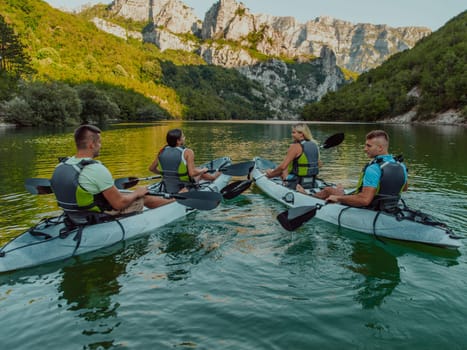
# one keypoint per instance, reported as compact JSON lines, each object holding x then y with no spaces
{"x":303,"y":128}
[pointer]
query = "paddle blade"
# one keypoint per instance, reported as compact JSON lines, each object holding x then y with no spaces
{"x":202,"y":200}
{"x":333,"y":140}
{"x":126,"y":182}
{"x":239,"y":169}
{"x":38,"y":186}
{"x":235,"y":188}
{"x":264,"y":164}
{"x":295,"y":217}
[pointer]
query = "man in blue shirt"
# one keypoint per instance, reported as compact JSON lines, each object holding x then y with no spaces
{"x":370,"y":183}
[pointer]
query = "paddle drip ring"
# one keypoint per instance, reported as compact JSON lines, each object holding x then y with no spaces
{"x":289,"y":198}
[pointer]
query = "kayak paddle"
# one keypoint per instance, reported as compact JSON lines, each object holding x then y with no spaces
{"x":127,"y":182}
{"x":235,"y":188}
{"x":202,"y":200}
{"x":239,"y":169}
{"x":295,"y":217}
{"x":333,"y":140}
{"x":38,"y":186}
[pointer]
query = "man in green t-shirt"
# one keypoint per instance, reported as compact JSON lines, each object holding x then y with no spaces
{"x":82,"y":183}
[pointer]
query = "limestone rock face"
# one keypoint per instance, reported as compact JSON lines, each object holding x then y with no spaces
{"x":233,"y":37}
{"x":225,"y":56}
{"x":172,"y":15}
{"x":357,"y":47}
{"x":166,"y":40}
{"x":115,"y":29}
{"x":290,"y":87}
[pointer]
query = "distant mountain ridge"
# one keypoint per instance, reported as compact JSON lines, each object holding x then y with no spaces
{"x":295,"y":63}
{"x":425,"y":84}
{"x":358,"y":47}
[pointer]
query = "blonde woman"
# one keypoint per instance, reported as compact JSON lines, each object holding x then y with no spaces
{"x":301,"y":163}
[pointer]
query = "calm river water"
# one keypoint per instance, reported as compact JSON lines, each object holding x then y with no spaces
{"x":232,"y":278}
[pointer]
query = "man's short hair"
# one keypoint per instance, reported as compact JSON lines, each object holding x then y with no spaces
{"x":82,"y":134}
{"x":377,"y":133}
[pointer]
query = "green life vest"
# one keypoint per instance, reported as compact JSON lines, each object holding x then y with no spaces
{"x":173,"y":168}
{"x":69,"y":193}
{"x":306,"y":164}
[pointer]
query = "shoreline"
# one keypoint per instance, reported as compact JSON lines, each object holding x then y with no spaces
{"x":450,"y":117}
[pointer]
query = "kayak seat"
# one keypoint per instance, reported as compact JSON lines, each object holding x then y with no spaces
{"x":387,"y":203}
{"x":80,"y":218}
{"x":77,"y":220}
{"x":308,"y":182}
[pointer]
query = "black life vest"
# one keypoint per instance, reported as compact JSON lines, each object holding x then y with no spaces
{"x":71,"y":196}
{"x":391,"y":184}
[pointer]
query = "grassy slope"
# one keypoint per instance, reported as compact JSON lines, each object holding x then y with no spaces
{"x":66,"y":47}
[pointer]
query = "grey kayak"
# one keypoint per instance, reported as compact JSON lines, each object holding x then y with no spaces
{"x":50,"y":240}
{"x":406,"y":225}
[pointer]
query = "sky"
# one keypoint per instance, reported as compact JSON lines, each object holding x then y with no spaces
{"x":395,"y":13}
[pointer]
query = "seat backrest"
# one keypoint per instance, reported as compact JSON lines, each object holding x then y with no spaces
{"x":385,"y":203}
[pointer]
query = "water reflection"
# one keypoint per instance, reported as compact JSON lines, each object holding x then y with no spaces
{"x":377,"y":263}
{"x":374,"y":263}
{"x":182,"y":249}
{"x":432,"y":254}
{"x":184,"y":245}
{"x":379,"y":270}
{"x":89,"y":287}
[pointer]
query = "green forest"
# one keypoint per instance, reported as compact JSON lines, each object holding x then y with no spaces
{"x":59,"y":69}
{"x":430,"y":78}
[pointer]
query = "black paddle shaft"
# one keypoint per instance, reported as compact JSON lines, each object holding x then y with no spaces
{"x":127,"y":182}
{"x":239,"y":169}
{"x":202,"y":200}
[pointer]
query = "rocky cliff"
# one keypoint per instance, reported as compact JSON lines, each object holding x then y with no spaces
{"x":231,"y":36}
{"x":290,"y":86}
{"x":358,"y":47}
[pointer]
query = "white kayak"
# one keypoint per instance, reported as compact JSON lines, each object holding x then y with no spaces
{"x":406,"y":224}
{"x":50,"y":240}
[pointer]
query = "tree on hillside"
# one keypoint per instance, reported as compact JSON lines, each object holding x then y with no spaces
{"x":13,"y":58}
{"x":97,"y":106}
{"x":44,"y":104}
